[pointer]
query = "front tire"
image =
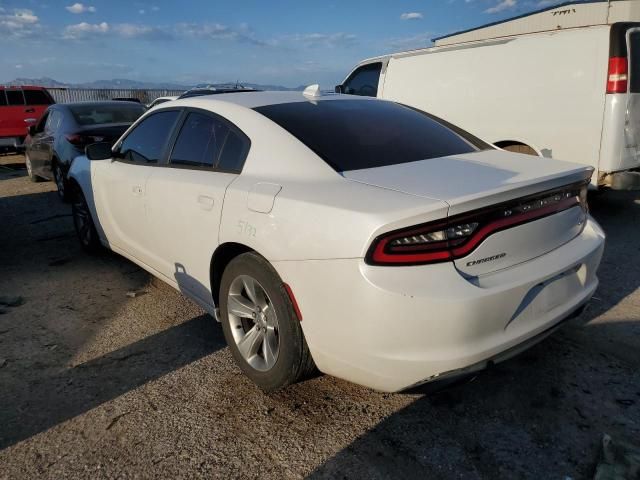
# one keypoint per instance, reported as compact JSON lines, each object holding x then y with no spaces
{"x":261,"y":326}
{"x":83,"y":223}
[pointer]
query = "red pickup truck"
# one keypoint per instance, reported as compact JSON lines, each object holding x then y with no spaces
{"x":20,"y":107}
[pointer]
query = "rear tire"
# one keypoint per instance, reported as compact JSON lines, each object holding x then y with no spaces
{"x":30,"y":174}
{"x":260,"y":324}
{"x":83,"y":223}
{"x":61,"y":183}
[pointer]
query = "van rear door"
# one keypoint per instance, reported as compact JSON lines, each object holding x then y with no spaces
{"x":631,"y":155}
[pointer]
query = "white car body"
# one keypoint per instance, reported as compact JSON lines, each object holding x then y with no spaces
{"x":386,"y":327}
{"x":538,"y":83}
{"x":161,"y":100}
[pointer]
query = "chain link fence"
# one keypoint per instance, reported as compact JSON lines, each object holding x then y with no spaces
{"x":69,"y":95}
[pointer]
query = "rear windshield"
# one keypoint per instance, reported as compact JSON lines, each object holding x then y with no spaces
{"x":358,"y":134}
{"x":99,"y":114}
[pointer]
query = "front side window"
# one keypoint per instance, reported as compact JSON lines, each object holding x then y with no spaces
{"x":146,"y":142}
{"x":364,"y":81}
{"x":37,"y":97}
{"x":354,"y":134}
{"x":15,"y":97}
{"x":200,"y":140}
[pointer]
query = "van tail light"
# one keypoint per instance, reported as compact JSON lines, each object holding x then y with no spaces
{"x":458,"y":236}
{"x":617,"y":79}
{"x":82,"y":141}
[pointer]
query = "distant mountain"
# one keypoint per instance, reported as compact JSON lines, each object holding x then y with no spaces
{"x":134,"y":84}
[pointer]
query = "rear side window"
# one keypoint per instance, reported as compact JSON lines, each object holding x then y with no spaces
{"x":36,"y":97}
{"x":146,"y":142}
{"x":234,"y":153}
{"x":200,"y":140}
{"x":364,"y":81}
{"x":359,"y":134}
{"x":14,"y":97}
{"x":3,"y":98}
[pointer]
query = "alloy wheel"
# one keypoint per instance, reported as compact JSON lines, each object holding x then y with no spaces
{"x":254,"y":323}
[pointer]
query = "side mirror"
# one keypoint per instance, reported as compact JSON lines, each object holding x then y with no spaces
{"x":31,"y":129}
{"x":99,"y":151}
{"x":339,"y":89}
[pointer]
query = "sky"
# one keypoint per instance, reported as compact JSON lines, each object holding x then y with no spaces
{"x":282,"y":42}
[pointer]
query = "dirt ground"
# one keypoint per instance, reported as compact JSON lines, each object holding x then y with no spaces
{"x":96,"y":383}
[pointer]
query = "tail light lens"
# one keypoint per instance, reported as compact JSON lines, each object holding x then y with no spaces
{"x":82,"y":141}
{"x":618,"y":75}
{"x":458,"y":236}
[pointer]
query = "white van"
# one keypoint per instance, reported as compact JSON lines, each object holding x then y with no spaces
{"x":561,"y":82}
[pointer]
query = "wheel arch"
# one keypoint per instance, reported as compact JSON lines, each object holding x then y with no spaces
{"x":524,"y":145}
{"x":221,"y":257}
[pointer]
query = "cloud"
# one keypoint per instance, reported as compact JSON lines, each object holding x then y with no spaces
{"x":217,"y":31}
{"x":411,"y":16}
{"x":80,"y":8}
{"x":146,"y":32}
{"x":328,"y":40}
{"x":84,"y":29}
{"x":19,"y":23}
{"x":142,"y":11}
{"x":155,"y":8}
{"x":502,"y":5}
{"x":421,"y":40}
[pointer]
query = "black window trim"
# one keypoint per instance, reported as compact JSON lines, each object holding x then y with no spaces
{"x":214,"y":168}
{"x":163,"y":156}
{"x":5,"y":104}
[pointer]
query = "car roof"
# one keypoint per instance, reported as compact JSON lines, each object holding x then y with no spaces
{"x":260,"y":99}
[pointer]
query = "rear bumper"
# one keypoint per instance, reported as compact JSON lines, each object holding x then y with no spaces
{"x":391,"y":328}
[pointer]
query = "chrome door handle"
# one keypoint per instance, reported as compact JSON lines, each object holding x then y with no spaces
{"x":206,"y":202}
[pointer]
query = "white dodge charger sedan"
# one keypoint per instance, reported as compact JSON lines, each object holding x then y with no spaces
{"x":372,"y":240}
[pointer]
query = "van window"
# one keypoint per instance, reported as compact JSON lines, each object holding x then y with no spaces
{"x":15,"y":97}
{"x":353,"y":134}
{"x":634,"y":60}
{"x":364,"y":81}
{"x":36,"y":97}
{"x":3,"y":99}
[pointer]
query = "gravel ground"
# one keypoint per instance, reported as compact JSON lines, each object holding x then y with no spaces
{"x":95,"y":383}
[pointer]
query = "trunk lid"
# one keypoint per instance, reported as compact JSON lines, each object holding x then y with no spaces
{"x":473,"y":182}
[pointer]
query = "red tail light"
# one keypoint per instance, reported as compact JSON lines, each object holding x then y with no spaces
{"x":458,"y":236}
{"x":82,"y":141}
{"x":617,"y":79}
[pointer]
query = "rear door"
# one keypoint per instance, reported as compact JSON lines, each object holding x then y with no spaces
{"x":184,"y":199}
{"x":36,"y":102}
{"x":12,"y":122}
{"x":632,"y":121}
